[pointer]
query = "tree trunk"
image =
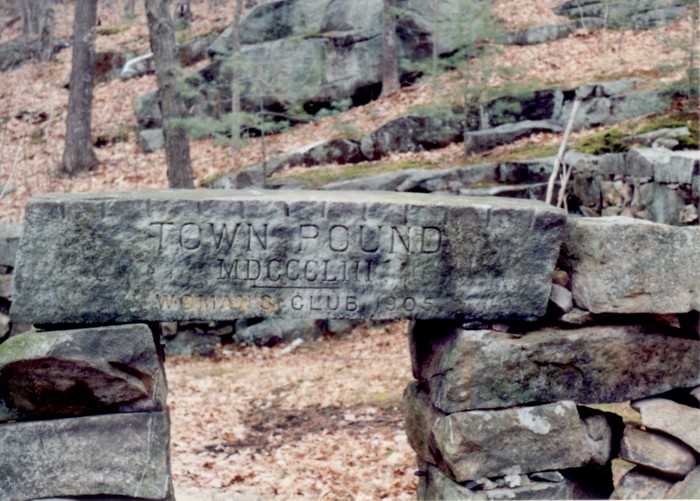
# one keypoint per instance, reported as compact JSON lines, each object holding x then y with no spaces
{"x":236,"y":81}
{"x":177,"y":145}
{"x":78,"y":155}
{"x":31,"y":17}
{"x":47,"y":23}
{"x":390,"y":59}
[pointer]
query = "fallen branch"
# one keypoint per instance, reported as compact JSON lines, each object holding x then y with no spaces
{"x":559,"y":160}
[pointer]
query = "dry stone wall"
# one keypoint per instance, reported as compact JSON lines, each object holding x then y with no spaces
{"x":557,"y":358}
{"x":604,"y":388}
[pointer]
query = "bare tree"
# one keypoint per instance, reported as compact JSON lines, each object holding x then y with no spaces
{"x":46,"y":36}
{"x":390,"y":59}
{"x":177,"y":145}
{"x":31,"y":16}
{"x":78,"y":154}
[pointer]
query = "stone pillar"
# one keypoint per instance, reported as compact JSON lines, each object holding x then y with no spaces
{"x":83,"y":413}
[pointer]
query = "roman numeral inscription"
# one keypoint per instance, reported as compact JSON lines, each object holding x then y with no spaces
{"x":209,"y":254}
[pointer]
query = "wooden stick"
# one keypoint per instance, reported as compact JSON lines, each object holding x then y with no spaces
{"x":559,"y":160}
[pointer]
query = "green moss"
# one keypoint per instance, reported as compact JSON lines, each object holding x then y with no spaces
{"x":113,"y":30}
{"x":603,"y":142}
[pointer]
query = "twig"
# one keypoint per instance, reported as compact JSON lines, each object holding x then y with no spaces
{"x":559,"y":160}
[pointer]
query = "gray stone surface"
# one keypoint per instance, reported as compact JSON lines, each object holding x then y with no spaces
{"x":688,"y":488}
{"x":419,"y":416}
{"x":561,"y":298}
{"x":473,"y":444}
{"x":219,"y":255}
{"x":677,"y":420}
{"x":695,"y":393}
{"x":10,"y":234}
{"x":5,"y":285}
{"x":624,"y":14}
{"x":412,"y":133}
{"x":273,"y":331}
{"x":151,"y":140}
{"x":669,"y":166}
{"x":98,"y":370}
{"x":487,"y":139}
{"x":636,"y":484}
{"x":436,"y":486}
{"x":587,"y":365}
{"x":656,"y":452}
{"x":540,"y":34}
{"x":110,"y":455}
{"x":624,"y":265}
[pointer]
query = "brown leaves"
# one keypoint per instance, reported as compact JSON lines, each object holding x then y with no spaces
{"x":323,"y":422}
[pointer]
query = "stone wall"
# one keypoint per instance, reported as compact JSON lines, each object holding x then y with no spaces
{"x":605,"y":387}
{"x":554,"y":357}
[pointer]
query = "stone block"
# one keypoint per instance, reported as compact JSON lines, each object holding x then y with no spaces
{"x":688,"y":488}
{"x":486,"y":369}
{"x":151,"y":140}
{"x":9,"y":242}
{"x":677,"y":420}
{"x":475,"y":444}
{"x":636,"y":484}
{"x":6,"y":286}
{"x":680,"y":168}
{"x":486,"y":139}
{"x":624,"y":265}
{"x":657,"y":452}
{"x":100,"y":370}
{"x":174,"y":255}
{"x":436,"y":486}
{"x":110,"y":455}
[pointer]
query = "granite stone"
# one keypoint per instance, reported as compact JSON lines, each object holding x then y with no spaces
{"x":169,"y":255}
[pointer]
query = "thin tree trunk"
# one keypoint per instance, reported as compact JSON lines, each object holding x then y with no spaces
{"x":47,"y":24}
{"x":177,"y":145}
{"x":31,"y":22}
{"x":390,"y":58}
{"x":559,"y":160}
{"x":78,"y":154}
{"x":236,"y":81}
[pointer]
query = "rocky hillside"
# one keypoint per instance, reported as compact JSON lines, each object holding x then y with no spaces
{"x":33,"y":108}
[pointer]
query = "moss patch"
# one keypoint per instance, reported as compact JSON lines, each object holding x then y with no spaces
{"x":603,"y":142}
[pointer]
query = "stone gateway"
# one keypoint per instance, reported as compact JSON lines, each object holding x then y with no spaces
{"x":219,"y":255}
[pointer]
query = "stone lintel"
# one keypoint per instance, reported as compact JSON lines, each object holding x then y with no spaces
{"x":169,"y":255}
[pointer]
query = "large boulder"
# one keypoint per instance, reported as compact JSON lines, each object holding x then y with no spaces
{"x":99,"y":370}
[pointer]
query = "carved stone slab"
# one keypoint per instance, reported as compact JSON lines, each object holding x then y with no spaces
{"x":210,"y":254}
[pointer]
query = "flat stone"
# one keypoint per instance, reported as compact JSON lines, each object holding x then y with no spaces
{"x":470,"y":445}
{"x":437,"y":486}
{"x":656,"y":452}
{"x":561,"y":298}
{"x":100,"y":370}
{"x":638,"y":485}
{"x":6,"y":286}
{"x":688,"y":488}
{"x":110,"y":455}
{"x":151,"y":140}
{"x":487,"y":139}
{"x":588,"y":365}
{"x":173,"y":255}
{"x":625,"y":265}
{"x":677,"y":420}
{"x":9,"y":242}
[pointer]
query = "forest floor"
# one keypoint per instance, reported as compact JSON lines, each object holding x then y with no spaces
{"x":323,"y":421}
